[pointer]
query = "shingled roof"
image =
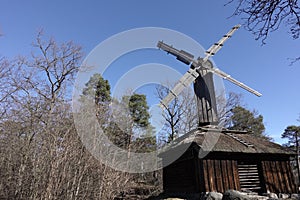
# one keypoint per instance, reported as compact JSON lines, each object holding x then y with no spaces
{"x":223,"y":140}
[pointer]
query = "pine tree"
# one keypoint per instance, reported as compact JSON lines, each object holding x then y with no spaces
{"x":143,"y":139}
{"x":292,"y":133}
{"x":243,"y":119}
{"x":139,"y":110}
{"x":97,"y":87}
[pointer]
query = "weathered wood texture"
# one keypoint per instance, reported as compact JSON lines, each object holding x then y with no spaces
{"x":220,"y":175}
{"x":249,"y":177}
{"x":221,"y":171}
{"x":180,"y":177}
{"x":206,"y":98}
{"x":278,"y":177}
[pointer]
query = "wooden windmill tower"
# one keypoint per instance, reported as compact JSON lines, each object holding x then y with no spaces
{"x":237,"y":160}
{"x":201,"y":73}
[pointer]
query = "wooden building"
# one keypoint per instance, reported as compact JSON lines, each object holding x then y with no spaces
{"x":235,"y":160}
{"x":217,"y":159}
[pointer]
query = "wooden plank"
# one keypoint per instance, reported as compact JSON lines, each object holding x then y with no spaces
{"x":198,"y":176}
{"x":280,"y":176}
{"x":230,"y":175}
{"x":275,"y":177}
{"x":267,"y":175}
{"x":212,"y":176}
{"x":218,"y":176}
{"x":225,"y":175}
{"x":285,"y":176}
{"x":236,"y":175}
{"x":249,"y":180}
{"x":291,"y":177}
{"x":272,"y":179}
{"x":249,"y":176}
{"x":248,"y":170}
{"x":201,"y":174}
{"x":206,"y":176}
{"x":178,"y":177}
{"x":255,"y":177}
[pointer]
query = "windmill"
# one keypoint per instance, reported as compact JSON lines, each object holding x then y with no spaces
{"x":201,"y":73}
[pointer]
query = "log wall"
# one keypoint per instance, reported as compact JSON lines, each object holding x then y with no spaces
{"x":180,"y":177}
{"x":219,"y":175}
{"x":193,"y":175}
{"x":278,"y":177}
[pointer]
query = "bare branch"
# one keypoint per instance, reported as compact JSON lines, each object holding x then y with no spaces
{"x":265,"y":16}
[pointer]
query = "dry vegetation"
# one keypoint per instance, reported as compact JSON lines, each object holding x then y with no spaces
{"x":41,"y":154}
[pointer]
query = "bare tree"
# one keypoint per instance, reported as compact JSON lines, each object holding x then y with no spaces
{"x":180,"y":115}
{"x":41,"y":154}
{"x":225,"y":106}
{"x":264,"y":16}
{"x":6,"y":85}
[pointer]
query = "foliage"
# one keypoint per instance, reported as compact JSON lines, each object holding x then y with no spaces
{"x":225,"y":105}
{"x":146,"y":142}
{"x":292,"y":134}
{"x":143,"y":139}
{"x":243,"y":119}
{"x":41,"y":155}
{"x":138,"y":109}
{"x":98,"y":88}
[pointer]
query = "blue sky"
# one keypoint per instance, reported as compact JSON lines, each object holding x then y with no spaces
{"x":265,"y":68}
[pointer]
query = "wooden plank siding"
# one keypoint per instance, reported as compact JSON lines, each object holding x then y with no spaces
{"x":249,"y":176}
{"x":220,"y":175}
{"x":291,"y":177}
{"x":285,"y":176}
{"x":205,"y":175}
{"x":236,"y":175}
{"x":230,"y":174}
{"x":219,"y":172}
{"x":278,"y":177}
{"x":225,"y":174}
{"x":211,"y":175}
{"x":180,"y":176}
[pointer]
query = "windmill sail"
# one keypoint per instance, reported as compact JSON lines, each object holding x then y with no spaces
{"x":181,"y":55}
{"x":217,"y":46}
{"x":184,"y":82}
{"x":238,"y":83}
{"x":198,"y":67}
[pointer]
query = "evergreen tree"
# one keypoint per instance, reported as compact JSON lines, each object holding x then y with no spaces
{"x":98,"y":90}
{"x":97,"y":87}
{"x":142,"y":139}
{"x":292,"y":133}
{"x":243,"y":119}
{"x":139,"y":110}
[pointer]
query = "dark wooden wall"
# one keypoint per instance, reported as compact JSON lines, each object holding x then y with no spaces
{"x":278,"y":177}
{"x":180,"y":177}
{"x":219,"y":175}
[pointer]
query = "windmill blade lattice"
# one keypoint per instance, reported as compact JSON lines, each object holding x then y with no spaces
{"x":192,"y":74}
{"x":236,"y":82}
{"x":181,"y":55}
{"x":217,"y":46}
{"x":184,"y":82}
